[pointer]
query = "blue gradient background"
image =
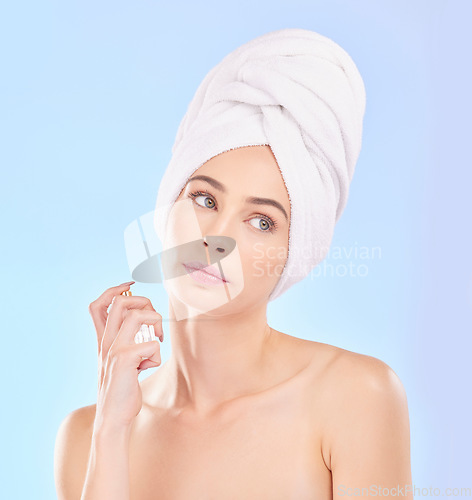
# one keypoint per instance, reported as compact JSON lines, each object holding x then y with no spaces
{"x":91,"y":97}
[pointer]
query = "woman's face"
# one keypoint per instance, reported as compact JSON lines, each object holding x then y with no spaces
{"x":239,"y":203}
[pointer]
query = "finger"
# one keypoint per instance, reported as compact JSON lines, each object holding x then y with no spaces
{"x":118,"y":310}
{"x":98,"y":308}
{"x":157,"y":332}
{"x":145,"y":364}
{"x":132,"y":356}
{"x":150,"y":356}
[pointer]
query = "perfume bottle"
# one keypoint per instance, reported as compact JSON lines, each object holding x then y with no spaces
{"x":146,"y":333}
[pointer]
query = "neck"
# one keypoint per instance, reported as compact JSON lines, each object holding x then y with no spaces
{"x":217,"y":359}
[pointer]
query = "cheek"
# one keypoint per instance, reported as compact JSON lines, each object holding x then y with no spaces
{"x":266,"y":259}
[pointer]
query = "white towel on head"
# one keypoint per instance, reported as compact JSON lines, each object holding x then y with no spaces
{"x":300,"y":93}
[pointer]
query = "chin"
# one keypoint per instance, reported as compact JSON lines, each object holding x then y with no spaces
{"x":196,"y":297}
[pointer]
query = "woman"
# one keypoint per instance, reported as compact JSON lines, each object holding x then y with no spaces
{"x":240,"y":410}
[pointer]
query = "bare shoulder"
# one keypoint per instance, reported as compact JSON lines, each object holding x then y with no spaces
{"x":333,"y":369}
{"x":357,"y":395}
{"x":347,"y":371}
{"x":361,"y":375}
{"x":80,"y":420}
{"x":71,"y":451}
{"x":368,"y":389}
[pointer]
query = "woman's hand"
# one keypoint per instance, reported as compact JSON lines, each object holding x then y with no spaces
{"x":120,"y":359}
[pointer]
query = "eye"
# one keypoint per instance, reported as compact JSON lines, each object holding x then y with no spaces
{"x":204,"y":204}
{"x":265,"y":224}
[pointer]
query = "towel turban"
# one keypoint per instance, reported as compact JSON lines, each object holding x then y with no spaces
{"x":300,"y":93}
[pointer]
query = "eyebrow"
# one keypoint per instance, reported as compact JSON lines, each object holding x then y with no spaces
{"x":254,"y":200}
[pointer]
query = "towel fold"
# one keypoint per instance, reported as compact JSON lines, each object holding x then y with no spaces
{"x":300,"y":93}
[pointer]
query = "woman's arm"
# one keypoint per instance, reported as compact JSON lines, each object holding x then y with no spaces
{"x":91,"y":463}
{"x":108,"y":467}
{"x":370,"y":432}
{"x":105,"y":438}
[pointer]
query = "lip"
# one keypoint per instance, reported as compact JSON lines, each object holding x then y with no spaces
{"x":204,"y":273}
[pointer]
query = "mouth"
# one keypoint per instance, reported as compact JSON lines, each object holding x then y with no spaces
{"x":211,"y":272}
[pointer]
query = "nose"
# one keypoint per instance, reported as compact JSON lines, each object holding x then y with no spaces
{"x":216,"y":240}
{"x":219,"y":246}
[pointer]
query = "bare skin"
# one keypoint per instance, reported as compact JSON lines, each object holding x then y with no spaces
{"x":311,"y":435}
{"x":241,"y":410}
{"x":263,"y":445}
{"x":283,"y":442}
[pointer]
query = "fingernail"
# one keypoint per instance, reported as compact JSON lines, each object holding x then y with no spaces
{"x":128,"y":283}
